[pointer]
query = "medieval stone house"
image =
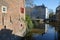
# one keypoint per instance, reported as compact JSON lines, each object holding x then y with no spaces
{"x":12,"y":16}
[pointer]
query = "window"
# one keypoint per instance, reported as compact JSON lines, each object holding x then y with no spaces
{"x":22,"y":10}
{"x":4,"y":9}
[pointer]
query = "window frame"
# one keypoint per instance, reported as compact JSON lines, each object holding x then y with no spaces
{"x":4,"y":9}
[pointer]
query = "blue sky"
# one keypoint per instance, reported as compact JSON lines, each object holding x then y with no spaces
{"x":51,"y":4}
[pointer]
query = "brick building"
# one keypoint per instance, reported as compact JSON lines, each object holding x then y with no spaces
{"x":12,"y":16}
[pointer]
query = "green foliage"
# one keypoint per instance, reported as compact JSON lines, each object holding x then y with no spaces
{"x":29,"y":23}
{"x":51,"y":14}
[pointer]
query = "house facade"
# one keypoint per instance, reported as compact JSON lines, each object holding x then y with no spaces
{"x":40,"y":12}
{"x":58,"y":13}
{"x":12,"y":16}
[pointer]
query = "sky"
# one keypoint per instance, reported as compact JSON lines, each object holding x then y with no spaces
{"x":50,"y":4}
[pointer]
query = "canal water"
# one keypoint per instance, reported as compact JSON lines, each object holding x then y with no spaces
{"x":50,"y":33}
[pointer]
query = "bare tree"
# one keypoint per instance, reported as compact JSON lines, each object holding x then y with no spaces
{"x":29,"y":3}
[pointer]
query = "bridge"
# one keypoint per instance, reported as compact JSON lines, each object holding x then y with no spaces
{"x":38,"y":20}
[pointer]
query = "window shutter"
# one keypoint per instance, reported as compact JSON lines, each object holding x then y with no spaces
{"x":22,"y":10}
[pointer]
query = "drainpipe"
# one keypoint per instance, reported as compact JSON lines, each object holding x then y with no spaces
{"x":3,"y":14}
{"x":3,"y":19}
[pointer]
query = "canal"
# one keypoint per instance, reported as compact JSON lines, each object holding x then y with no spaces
{"x":49,"y":33}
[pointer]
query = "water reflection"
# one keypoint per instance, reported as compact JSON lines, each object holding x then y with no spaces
{"x":50,"y":33}
{"x":58,"y":32}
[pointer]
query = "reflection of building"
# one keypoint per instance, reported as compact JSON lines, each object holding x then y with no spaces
{"x":57,"y":32}
{"x":58,"y":13}
{"x":40,"y":12}
{"x":46,"y":27}
{"x":12,"y":14}
{"x":41,"y":29}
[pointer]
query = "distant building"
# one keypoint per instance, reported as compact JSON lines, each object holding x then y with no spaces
{"x":29,"y":11}
{"x":58,"y":13}
{"x":40,"y":12}
{"x":12,"y":16}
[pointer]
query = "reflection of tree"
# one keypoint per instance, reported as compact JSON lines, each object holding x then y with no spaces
{"x":6,"y":34}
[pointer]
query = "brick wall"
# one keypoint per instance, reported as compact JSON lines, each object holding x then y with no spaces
{"x":13,"y":19}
